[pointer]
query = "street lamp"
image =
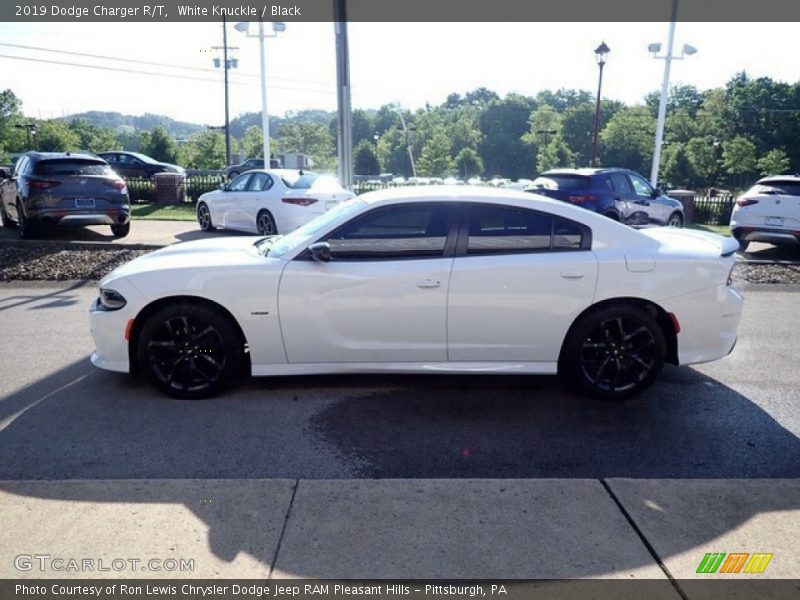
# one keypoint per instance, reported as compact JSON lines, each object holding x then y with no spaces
{"x":601,"y":55}
{"x":654,"y":49}
{"x":277,"y":27}
{"x":30,"y":129}
{"x":409,"y":131}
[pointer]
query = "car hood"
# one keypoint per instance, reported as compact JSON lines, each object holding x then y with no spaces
{"x":215,"y":253}
{"x":692,"y":241}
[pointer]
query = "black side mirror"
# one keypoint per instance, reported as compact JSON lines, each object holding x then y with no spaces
{"x":3,"y":174}
{"x":657,"y":192}
{"x":223,"y":187}
{"x":320,"y":252}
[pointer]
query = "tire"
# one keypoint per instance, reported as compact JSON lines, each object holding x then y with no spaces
{"x":204,"y":217}
{"x":614,"y":352}
{"x":675,"y":220}
{"x":265,"y":223}
{"x":28,"y":230}
{"x":613,"y":216}
{"x":7,"y":222}
{"x":190,"y":351}
{"x":743,"y":245}
{"x":120,"y":231}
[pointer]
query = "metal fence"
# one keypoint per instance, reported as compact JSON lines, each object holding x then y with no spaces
{"x":713,"y":210}
{"x":143,"y":190}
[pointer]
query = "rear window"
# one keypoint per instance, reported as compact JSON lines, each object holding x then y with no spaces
{"x":561,"y":182}
{"x":67,"y":167}
{"x":787,"y":188}
{"x":299,"y":182}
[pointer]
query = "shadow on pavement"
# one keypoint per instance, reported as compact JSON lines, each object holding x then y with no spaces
{"x":97,"y":425}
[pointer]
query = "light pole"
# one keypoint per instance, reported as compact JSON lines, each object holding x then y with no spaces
{"x":277,"y":27}
{"x":30,"y":129}
{"x":546,"y":133}
{"x":687,"y":50}
{"x":409,"y":129}
{"x":227,"y":64}
{"x":601,"y":55}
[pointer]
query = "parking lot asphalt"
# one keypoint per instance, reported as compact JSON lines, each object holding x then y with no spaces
{"x":369,"y":477}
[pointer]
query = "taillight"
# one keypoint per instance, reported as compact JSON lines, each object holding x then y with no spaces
{"x":745,"y":201}
{"x":117,"y":184}
{"x":579,"y":198}
{"x":42,"y":184}
{"x":299,"y":201}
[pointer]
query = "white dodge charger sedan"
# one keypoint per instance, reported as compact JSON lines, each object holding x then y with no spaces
{"x":425,"y":280}
{"x":269,"y":202}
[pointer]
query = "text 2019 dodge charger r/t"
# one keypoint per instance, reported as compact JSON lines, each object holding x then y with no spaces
{"x":448,"y":280}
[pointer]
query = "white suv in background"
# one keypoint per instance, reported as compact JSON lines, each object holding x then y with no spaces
{"x":768,"y":212}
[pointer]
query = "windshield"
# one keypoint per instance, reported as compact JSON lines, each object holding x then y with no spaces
{"x":309,"y":231}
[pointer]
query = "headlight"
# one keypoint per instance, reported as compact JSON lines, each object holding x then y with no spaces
{"x":110,"y":300}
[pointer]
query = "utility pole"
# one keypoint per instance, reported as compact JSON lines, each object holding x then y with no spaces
{"x":226,"y":65}
{"x":344,"y":117}
{"x":409,"y":142}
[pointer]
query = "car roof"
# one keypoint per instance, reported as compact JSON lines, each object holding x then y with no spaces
{"x":460,"y":193}
{"x":586,"y":172}
{"x":793,"y":178}
{"x":37,"y":156}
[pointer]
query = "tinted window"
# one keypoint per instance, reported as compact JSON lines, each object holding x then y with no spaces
{"x":561,"y":182}
{"x":787,"y":188}
{"x":260,"y":182}
{"x":620,"y":183}
{"x":66,"y":167}
{"x":240,"y":183}
{"x":505,"y":229}
{"x":641,"y":187}
{"x":416,"y":230}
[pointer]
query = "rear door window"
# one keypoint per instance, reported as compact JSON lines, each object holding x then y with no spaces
{"x":620,"y":183}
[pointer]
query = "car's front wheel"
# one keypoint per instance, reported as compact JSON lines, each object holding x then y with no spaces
{"x":615,"y":352}
{"x":190,"y":351}
{"x":204,"y":217}
{"x":265,"y":223}
{"x":675,"y":220}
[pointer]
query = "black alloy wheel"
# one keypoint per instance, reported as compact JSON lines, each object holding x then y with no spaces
{"x":190,"y":351}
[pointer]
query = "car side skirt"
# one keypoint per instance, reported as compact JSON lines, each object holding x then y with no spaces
{"x":466,"y":367}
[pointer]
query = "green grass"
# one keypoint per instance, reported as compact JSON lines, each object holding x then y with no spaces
{"x":718,"y":229}
{"x":163,"y":212}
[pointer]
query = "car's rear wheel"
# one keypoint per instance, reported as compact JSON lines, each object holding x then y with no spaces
{"x":28,"y":229}
{"x":121,"y":230}
{"x":265,"y":223}
{"x":614,"y":352}
{"x":675,"y":220}
{"x":189,"y":351}
{"x":204,"y":217}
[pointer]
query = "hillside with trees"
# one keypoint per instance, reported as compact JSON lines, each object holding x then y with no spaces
{"x":725,"y":136}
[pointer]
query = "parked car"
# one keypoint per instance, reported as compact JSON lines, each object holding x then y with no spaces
{"x":234,"y":171}
{"x":55,"y":188}
{"x":768,"y":212}
{"x":425,"y":280}
{"x":269,"y":202}
{"x":135,"y":164}
{"x":619,"y":194}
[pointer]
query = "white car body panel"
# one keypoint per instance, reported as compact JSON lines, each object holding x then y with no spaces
{"x":475,"y":314}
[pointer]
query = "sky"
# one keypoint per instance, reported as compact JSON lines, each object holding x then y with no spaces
{"x":406,"y":63}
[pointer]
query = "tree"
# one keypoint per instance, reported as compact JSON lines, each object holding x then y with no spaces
{"x":392,"y":153}
{"x":365,"y":159}
{"x":468,"y":163}
{"x":553,"y":155}
{"x":253,"y":142}
{"x":55,"y":136}
{"x":160,"y":145}
{"x":676,"y":170}
{"x":739,"y":158}
{"x":502,"y":124}
{"x":628,"y":139}
{"x":774,"y":162}
{"x":306,"y":137}
{"x":12,"y":139}
{"x":204,"y":150}
{"x":435,"y":159}
{"x":702,"y":158}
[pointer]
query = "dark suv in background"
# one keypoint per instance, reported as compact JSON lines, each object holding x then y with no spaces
{"x":619,"y":194}
{"x":55,"y":188}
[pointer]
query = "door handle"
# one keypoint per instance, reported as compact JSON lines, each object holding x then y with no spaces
{"x":572,"y":274}
{"x":429,"y":283}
